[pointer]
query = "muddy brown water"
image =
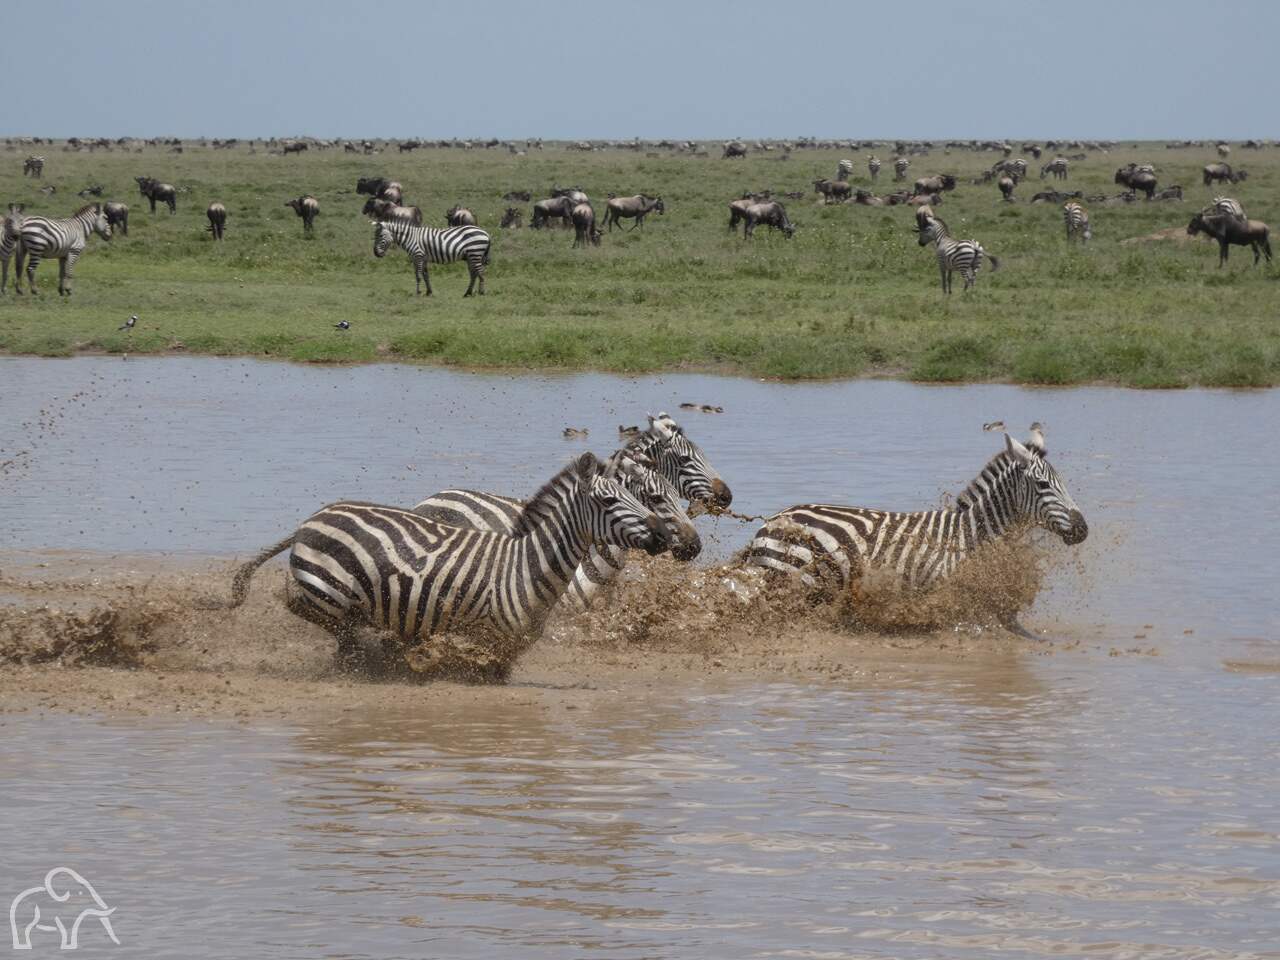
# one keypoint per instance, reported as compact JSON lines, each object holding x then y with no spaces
{"x":1111,"y":792}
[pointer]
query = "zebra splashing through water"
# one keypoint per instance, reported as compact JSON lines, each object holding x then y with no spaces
{"x":40,"y":238}
{"x":1077,"y":221}
{"x":431,"y":245}
{"x":964,"y":256}
{"x":1017,"y":489}
{"x":358,"y":563}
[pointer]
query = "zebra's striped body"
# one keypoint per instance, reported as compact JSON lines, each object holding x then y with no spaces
{"x":1058,"y":166}
{"x":844,"y":170}
{"x":964,"y":256}
{"x":1227,"y":207}
{"x":838,"y":544}
{"x":873,"y":167}
{"x":10,"y":232}
{"x":34,"y":166}
{"x":40,"y":238}
{"x":395,"y":569}
{"x":900,"y":166}
{"x":431,"y":245}
{"x":1077,"y":221}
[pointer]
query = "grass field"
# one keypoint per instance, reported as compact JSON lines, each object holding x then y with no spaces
{"x":851,"y":295}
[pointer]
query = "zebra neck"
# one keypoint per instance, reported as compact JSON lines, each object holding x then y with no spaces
{"x":547,"y":555}
{"x":992,"y":503}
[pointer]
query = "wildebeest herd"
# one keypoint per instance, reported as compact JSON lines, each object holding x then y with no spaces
{"x":35,"y":238}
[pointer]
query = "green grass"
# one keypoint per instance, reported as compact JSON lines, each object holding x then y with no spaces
{"x":851,"y":295}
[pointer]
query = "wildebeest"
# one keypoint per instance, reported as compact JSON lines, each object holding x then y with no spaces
{"x":1137,"y":178}
{"x":382,"y":188}
{"x":386,"y":210}
{"x":308,"y":208}
{"x":837,"y":190}
{"x":153,"y":190}
{"x":584,"y":225}
{"x":1057,"y":196}
{"x":868,"y":199}
{"x":552,"y":208}
{"x":770,"y":213}
{"x":1224,"y":151}
{"x":734,"y":149}
{"x":637,"y":208}
{"x":517,"y":196}
{"x":1006,"y":183}
{"x":293,"y":146}
{"x":1057,"y":166}
{"x":217,"y":214}
{"x":117,"y":215}
{"x":512,"y":218}
{"x":1228,"y":230}
{"x":34,"y":166}
{"x":573,"y":193}
{"x":407,"y":145}
{"x":1220,"y":172}
{"x":935,"y":184}
{"x":1170,"y":193}
{"x":459,"y":216}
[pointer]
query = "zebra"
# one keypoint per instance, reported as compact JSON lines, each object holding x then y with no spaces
{"x":10,"y":233}
{"x":154,"y":190}
{"x":873,"y":167}
{"x":962,"y":255}
{"x":217,"y":214}
{"x":1225,"y":206}
{"x":1057,"y":166}
{"x":431,"y":245}
{"x":34,"y":166}
{"x":1077,"y":220}
{"x":308,"y":208}
{"x":43,"y":239}
{"x":844,"y":170}
{"x":900,"y":166}
{"x":829,"y":545}
{"x":354,"y":562}
{"x":498,"y":514}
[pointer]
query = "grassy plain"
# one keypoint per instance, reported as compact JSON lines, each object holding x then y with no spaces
{"x":851,"y":295}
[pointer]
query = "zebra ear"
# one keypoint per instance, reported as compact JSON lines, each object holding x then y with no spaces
{"x":587,"y":466}
{"x":1017,"y":450}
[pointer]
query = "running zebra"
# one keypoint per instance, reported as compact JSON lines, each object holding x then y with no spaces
{"x":835,"y":545}
{"x":900,"y":166}
{"x":954,"y":255}
{"x":1077,"y":220}
{"x":431,"y":245}
{"x":40,"y":238}
{"x":402,"y":572}
{"x":844,"y":170}
{"x":33,"y":166}
{"x":10,"y":232}
{"x":873,"y":167}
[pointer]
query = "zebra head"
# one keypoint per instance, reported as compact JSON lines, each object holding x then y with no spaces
{"x":100,"y":225}
{"x":930,"y":230}
{"x":382,"y":239}
{"x":614,"y":515}
{"x":660,"y":495}
{"x":1040,"y":494}
{"x":682,"y":462}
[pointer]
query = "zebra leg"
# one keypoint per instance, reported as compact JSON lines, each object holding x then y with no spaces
{"x":17,"y":270}
{"x":417,"y":277}
{"x":471,"y":268}
{"x":426,"y":276}
{"x":351,"y":653}
{"x":62,"y":276}
{"x":32,"y":262}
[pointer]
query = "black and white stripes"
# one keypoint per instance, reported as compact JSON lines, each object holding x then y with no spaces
{"x":1076,"y":218}
{"x":963,"y":256}
{"x":431,"y":245}
{"x":40,"y":238}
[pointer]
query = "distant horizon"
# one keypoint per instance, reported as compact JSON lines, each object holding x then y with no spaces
{"x":749,"y":139}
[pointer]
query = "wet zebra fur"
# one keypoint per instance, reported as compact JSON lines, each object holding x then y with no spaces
{"x":834,"y":545}
{"x":963,"y":256}
{"x":432,"y":245}
{"x":366,"y":563}
{"x":40,"y":238}
{"x":1077,"y":221}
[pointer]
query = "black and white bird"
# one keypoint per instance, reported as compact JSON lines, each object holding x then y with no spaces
{"x":129,"y":324}
{"x":342,"y":325}
{"x":993,"y":425}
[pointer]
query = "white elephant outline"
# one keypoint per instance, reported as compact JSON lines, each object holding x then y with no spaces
{"x":70,"y":938}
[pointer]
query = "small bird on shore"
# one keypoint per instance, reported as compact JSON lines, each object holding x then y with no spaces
{"x":342,"y":325}
{"x":129,"y":324}
{"x":628,"y":431}
{"x":993,"y":425}
{"x":573,"y":433}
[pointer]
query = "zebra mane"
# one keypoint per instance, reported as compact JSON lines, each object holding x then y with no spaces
{"x":994,"y":474}
{"x":543,"y":503}
{"x":86,"y":208}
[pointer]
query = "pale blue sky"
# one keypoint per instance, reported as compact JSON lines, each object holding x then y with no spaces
{"x":697,"y":69}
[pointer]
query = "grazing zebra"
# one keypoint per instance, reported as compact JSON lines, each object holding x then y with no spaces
{"x":217,"y":214}
{"x":1226,"y":207}
{"x":308,"y":208}
{"x":1018,"y":488}
{"x":844,"y":170}
{"x":873,"y":167}
{"x":1057,"y":166}
{"x":430,"y":245}
{"x":962,"y":255}
{"x":900,"y":166}
{"x":416,"y":577}
{"x":154,"y":190}
{"x":1077,"y":220}
{"x":10,"y":233}
{"x":34,"y":166}
{"x":40,"y":238}
{"x":117,"y":216}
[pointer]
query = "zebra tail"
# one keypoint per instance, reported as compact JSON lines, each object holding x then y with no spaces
{"x":244,"y":573}
{"x":995,"y":261}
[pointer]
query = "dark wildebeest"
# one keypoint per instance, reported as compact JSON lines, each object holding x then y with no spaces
{"x":517,"y":196}
{"x":837,"y":190}
{"x":935,"y":184}
{"x":408,"y":145}
{"x":738,"y":211}
{"x":217,"y":215}
{"x":512,"y":218}
{"x":637,"y":207}
{"x":1057,"y":166}
{"x":555,"y":207}
{"x":34,"y":166}
{"x":1136,"y":178}
{"x":117,"y":215}
{"x":1006,"y":183}
{"x":293,"y":146}
{"x":772,"y":214}
{"x":573,"y":193}
{"x":459,"y":216}
{"x":917,"y":199}
{"x":584,"y":225}
{"x":1228,"y":230}
{"x":153,"y":190}
{"x":386,"y":210}
{"x":1170,"y":193}
{"x":868,"y":199}
{"x":308,"y":208}
{"x":1056,"y":196}
{"x":734,"y":149}
{"x":381,"y":188}
{"x":1220,"y":172}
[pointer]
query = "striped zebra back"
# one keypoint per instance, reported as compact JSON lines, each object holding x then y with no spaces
{"x":47,"y":238}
